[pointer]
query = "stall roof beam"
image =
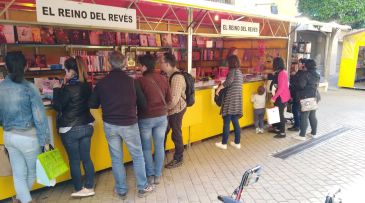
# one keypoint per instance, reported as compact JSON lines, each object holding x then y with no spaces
{"x":7,"y":6}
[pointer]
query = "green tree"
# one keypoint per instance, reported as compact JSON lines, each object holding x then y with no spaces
{"x":349,"y":12}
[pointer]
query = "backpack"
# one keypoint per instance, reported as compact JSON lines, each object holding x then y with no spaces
{"x":190,"y":87}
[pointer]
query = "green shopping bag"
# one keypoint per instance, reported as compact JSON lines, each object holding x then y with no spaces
{"x":53,"y":163}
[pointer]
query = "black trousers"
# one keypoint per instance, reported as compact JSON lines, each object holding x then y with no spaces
{"x":175,"y":123}
{"x":281,"y":106}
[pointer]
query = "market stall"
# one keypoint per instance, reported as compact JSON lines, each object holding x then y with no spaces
{"x":352,"y":68}
{"x":200,"y":38}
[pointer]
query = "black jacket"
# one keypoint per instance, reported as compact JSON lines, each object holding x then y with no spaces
{"x":294,"y":85}
{"x":308,"y":85}
{"x":71,"y":103}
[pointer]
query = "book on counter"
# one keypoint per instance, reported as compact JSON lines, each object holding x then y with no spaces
{"x":143,"y":40}
{"x":158,"y":40}
{"x":40,"y":61}
{"x":7,"y":34}
{"x":166,"y":40}
{"x":80,"y":37}
{"x":36,"y":35}
{"x":175,"y":40}
{"x":151,"y":40}
{"x":61,"y":36}
{"x":48,"y":35}
{"x":133,"y":39}
{"x":24,"y":34}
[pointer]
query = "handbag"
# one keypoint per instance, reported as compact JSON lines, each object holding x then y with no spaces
{"x":53,"y":163}
{"x":273,"y":115}
{"x":5,"y":169}
{"x":218,"y":99}
{"x":309,"y":104}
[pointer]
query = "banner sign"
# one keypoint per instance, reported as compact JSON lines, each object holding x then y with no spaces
{"x":233,"y":27}
{"x":86,"y":14}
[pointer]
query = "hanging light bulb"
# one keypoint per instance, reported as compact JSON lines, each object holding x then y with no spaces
{"x":216,"y":17}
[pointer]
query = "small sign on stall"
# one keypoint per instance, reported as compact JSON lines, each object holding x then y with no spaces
{"x":85,"y":14}
{"x":233,"y":27}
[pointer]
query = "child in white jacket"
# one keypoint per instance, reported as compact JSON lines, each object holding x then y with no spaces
{"x":259,"y":104}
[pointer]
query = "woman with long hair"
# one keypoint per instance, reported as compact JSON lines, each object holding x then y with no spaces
{"x":282,"y":94}
{"x":26,"y":131}
{"x":75,"y":124}
{"x":232,"y":103}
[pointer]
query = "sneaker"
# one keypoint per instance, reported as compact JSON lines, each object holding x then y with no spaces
{"x":83,"y":193}
{"x":298,"y":137}
{"x":237,"y":146}
{"x":257,"y":130}
{"x":262,"y":131}
{"x":294,"y":129}
{"x":146,"y":191}
{"x":311,"y":136}
{"x":173,"y":164}
{"x":278,"y":136}
{"x":151,"y":180}
{"x":220,"y":145}
{"x":157,"y":180}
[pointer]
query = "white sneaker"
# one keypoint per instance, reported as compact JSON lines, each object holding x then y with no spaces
{"x":311,"y":136}
{"x":237,"y":146}
{"x":300,"y":137}
{"x":258,"y":130}
{"x":83,"y":193}
{"x":262,"y":131}
{"x":220,"y":145}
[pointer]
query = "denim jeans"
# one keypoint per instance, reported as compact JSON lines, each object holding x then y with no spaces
{"x":311,"y":116}
{"x":153,"y":128}
{"x":259,"y":115}
{"x":130,"y":135}
{"x":237,"y":129}
{"x":23,"y":151}
{"x":296,"y":113}
{"x":77,"y":143}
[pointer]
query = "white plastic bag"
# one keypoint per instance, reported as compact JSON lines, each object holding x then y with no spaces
{"x":273,"y":115}
{"x":42,"y":176}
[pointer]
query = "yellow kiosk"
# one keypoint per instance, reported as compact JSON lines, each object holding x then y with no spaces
{"x":352,"y":69}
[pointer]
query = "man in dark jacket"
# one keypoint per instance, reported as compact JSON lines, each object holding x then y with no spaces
{"x":119,"y":96}
{"x":308,"y":88}
{"x":294,"y":88}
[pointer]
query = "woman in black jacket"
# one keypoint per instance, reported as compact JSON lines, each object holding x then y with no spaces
{"x":75,"y":124}
{"x":308,"y":83}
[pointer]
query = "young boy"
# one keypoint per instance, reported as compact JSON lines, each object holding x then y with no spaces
{"x":259,"y":103}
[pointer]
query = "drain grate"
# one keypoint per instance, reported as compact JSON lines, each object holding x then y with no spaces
{"x":308,"y":144}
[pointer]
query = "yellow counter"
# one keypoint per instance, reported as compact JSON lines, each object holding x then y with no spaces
{"x":200,"y":122}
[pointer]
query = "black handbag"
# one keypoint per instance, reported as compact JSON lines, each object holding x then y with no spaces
{"x":218,"y":99}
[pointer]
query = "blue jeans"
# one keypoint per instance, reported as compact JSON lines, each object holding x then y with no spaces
{"x":296,"y":113}
{"x":77,"y":143}
{"x":23,"y":151}
{"x":153,"y":128}
{"x":237,"y":130}
{"x":130,"y":134}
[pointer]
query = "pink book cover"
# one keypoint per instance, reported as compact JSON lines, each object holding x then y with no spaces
{"x":151,"y":40}
{"x":194,"y":42}
{"x":196,"y":56}
{"x":7,"y":34}
{"x":62,"y":36}
{"x":36,"y":35}
{"x":143,"y":40}
{"x":133,"y":39}
{"x":48,"y":35}
{"x":158,"y":40}
{"x":175,"y":40}
{"x":95,"y":37}
{"x":200,"y":42}
{"x":121,"y":38}
{"x":24,"y":34}
{"x":166,"y":40}
{"x":40,"y":61}
{"x":81,"y":37}
{"x":219,"y":44}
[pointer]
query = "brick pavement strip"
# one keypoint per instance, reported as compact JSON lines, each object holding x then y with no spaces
{"x":209,"y":171}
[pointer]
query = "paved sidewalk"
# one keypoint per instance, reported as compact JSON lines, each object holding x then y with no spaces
{"x":305,"y":177}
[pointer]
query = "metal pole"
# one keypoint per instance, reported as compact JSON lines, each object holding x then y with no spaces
{"x":288,"y":57}
{"x":190,"y":40}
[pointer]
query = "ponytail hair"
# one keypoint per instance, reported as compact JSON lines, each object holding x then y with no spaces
{"x":78,"y":66}
{"x":15,"y":63}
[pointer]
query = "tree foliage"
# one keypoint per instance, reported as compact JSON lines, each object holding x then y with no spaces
{"x":349,"y":12}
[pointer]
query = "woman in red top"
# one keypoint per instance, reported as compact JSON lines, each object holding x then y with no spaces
{"x":152,"y":121}
{"x":282,"y":94}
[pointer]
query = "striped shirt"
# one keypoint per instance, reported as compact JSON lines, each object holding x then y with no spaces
{"x":232,"y":102}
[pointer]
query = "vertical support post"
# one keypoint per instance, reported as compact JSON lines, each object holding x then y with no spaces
{"x":289,"y":52}
{"x":190,"y":39}
{"x":327,"y":58}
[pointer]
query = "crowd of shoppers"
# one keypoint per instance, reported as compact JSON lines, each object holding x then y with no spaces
{"x":135,"y":112}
